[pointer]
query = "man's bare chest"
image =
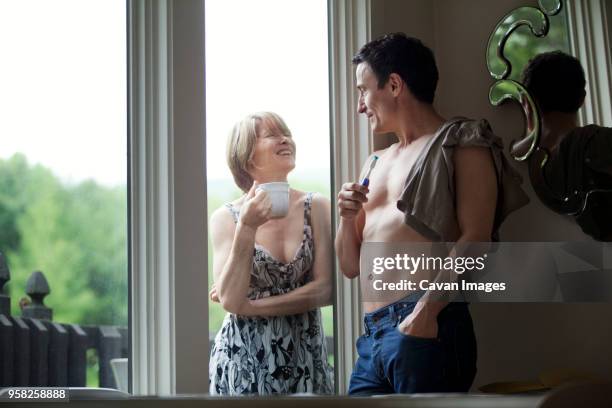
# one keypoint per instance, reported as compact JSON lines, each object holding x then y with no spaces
{"x":388,"y":179}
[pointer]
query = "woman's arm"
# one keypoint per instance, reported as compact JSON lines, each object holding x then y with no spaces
{"x":315,"y":293}
{"x":233,"y":249}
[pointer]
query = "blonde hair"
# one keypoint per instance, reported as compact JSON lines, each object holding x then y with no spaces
{"x":241,"y":144}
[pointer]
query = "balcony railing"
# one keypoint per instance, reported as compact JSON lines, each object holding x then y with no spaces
{"x":36,"y":351}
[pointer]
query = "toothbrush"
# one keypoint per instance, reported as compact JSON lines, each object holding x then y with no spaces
{"x":366,"y":179}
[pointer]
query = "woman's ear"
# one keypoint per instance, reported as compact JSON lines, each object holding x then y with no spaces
{"x":250,"y":167}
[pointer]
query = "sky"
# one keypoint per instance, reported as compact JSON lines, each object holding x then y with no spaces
{"x":63,"y":81}
{"x":63,"y":86}
{"x":268,"y":55}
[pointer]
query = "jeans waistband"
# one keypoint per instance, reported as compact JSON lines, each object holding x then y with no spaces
{"x":393,"y":313}
{"x":390,"y":313}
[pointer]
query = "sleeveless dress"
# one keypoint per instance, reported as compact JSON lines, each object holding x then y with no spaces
{"x":276,"y":354}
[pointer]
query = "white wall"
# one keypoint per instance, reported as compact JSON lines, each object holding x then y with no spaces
{"x":516,"y":341}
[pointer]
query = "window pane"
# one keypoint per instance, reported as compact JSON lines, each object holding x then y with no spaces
{"x":267,"y":55}
{"x":63,"y":161}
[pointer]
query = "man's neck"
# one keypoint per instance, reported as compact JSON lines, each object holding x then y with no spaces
{"x":417,"y":120}
{"x":555,"y":125}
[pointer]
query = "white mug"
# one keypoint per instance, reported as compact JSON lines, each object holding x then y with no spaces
{"x":279,"y":196}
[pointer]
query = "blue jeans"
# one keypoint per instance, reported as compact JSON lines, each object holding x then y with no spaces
{"x":393,"y":362}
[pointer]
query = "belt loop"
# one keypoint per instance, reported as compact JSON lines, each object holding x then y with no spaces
{"x":393,"y":315}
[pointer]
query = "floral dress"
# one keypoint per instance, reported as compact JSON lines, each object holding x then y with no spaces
{"x":277,"y":354}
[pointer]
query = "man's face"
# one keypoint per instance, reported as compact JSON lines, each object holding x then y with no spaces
{"x":377,"y":104}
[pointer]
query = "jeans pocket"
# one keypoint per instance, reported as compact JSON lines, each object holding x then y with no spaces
{"x":410,"y":337}
{"x":407,"y":336}
{"x":417,"y":363}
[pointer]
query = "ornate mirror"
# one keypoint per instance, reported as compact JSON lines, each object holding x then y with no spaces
{"x":521,"y":35}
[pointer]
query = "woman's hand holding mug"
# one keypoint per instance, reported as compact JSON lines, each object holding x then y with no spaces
{"x":256,"y":208}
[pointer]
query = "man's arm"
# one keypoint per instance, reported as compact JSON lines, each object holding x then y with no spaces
{"x":350,"y":231}
{"x":476,"y":198}
{"x":352,"y":220}
{"x":476,"y":193}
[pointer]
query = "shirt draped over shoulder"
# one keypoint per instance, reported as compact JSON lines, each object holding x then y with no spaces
{"x":428,"y":198}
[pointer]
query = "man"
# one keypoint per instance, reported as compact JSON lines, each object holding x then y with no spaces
{"x":442,"y":181}
{"x":581,"y":157}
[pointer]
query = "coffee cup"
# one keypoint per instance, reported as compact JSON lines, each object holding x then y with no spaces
{"x":279,"y":196}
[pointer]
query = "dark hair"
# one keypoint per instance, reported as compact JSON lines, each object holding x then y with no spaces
{"x":406,"y":56}
{"x":556,"y":81}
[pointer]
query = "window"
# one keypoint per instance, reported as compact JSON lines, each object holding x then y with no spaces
{"x":169,"y":251}
{"x":267,"y":55}
{"x":588,"y":26}
{"x":63,"y":181}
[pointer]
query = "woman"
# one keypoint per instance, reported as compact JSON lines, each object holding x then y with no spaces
{"x":271,"y":275}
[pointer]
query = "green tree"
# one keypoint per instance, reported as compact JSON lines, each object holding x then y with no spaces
{"x":76,"y":235}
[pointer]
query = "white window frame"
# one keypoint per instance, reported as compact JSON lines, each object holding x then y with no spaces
{"x":590,"y":43}
{"x":349,"y":29}
{"x":167,"y":133}
{"x":169,"y":308}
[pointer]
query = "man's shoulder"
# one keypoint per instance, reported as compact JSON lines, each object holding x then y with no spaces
{"x":592,"y":140}
{"x":595,"y":130}
{"x":580,"y":136}
{"x":465,"y":132}
{"x":468,"y":125}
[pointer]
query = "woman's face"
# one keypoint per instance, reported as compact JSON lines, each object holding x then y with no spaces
{"x":274,"y":154}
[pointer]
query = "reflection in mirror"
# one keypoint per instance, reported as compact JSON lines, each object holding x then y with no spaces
{"x":579,"y":163}
{"x":550,"y":7}
{"x":523,"y":33}
{"x":507,"y":89}
{"x":518,"y":37}
{"x":570,"y":167}
{"x":531,"y":18}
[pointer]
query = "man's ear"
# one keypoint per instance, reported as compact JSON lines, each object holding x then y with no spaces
{"x":582,"y":99}
{"x":396,"y":84}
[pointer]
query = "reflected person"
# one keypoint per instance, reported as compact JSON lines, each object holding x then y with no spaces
{"x":271,"y":274}
{"x":580,"y":157}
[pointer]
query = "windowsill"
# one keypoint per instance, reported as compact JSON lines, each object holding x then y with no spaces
{"x":442,"y":400}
